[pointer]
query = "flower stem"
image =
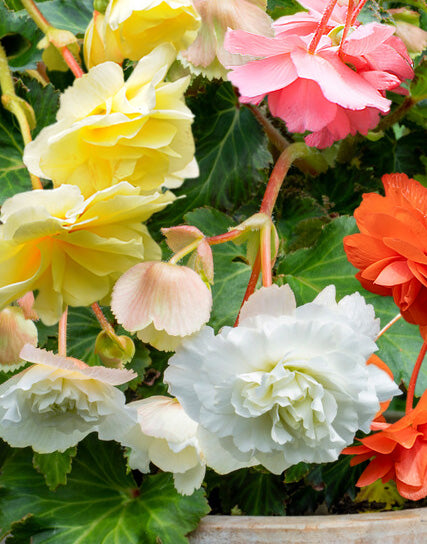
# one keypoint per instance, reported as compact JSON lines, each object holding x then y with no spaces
{"x":397,"y":114}
{"x":275,"y":137}
{"x":15,"y":105}
{"x":226,"y":237}
{"x":389,"y":324}
{"x":278,"y":174}
{"x":62,"y":334}
{"x":348,"y":19}
{"x":357,"y":11}
{"x":251,"y":284}
{"x":321,"y":26}
{"x":185,"y":251}
{"x":265,"y":249}
{"x":106,"y":326}
{"x":44,"y":25}
{"x":414,"y":376}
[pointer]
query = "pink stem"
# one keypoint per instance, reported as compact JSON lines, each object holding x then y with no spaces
{"x":414,"y":376}
{"x":357,"y":11}
{"x":62,"y":334}
{"x":266,"y":263}
{"x":107,"y":327}
{"x":348,"y":20}
{"x":71,"y":62}
{"x":226,"y":237}
{"x":251,"y":284}
{"x":275,"y":182}
{"x":321,"y":26}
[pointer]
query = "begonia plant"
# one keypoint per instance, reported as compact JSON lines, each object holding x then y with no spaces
{"x":213,"y":263}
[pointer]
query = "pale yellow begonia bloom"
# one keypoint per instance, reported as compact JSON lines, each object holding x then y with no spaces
{"x":141,"y":25}
{"x":109,"y":130}
{"x":100,"y":43}
{"x":70,"y":249}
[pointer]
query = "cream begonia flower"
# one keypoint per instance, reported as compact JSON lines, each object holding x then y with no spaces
{"x":15,"y":332}
{"x":141,"y":25}
{"x":56,"y":402}
{"x":162,"y":302}
{"x":207,"y":54}
{"x":288,"y":384}
{"x":70,"y":249}
{"x":167,"y":437}
{"x":109,"y":130}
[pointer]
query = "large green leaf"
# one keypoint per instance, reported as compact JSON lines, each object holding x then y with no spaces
{"x":232,"y":271}
{"x":14,"y":177}
{"x":19,"y":36}
{"x":308,"y":271}
{"x":231,"y":150}
{"x":72,"y":15}
{"x":100,"y":504}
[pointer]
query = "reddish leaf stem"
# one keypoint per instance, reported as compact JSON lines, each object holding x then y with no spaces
{"x":252,"y":283}
{"x":71,"y":61}
{"x":107,"y":327}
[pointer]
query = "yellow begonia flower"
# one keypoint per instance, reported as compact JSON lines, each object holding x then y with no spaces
{"x":109,"y":130}
{"x":141,"y":25}
{"x":70,"y":249}
{"x":100,"y":45}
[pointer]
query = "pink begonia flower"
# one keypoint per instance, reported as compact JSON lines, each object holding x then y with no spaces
{"x":177,"y":238}
{"x":162,"y":302}
{"x":207,"y":54}
{"x":26,"y":304}
{"x":319,"y":92}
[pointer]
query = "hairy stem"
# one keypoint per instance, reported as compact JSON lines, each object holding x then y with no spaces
{"x":397,"y":114}
{"x":62,"y":334}
{"x":106,"y":326}
{"x":256,"y":269}
{"x":321,"y":26}
{"x":389,"y":324}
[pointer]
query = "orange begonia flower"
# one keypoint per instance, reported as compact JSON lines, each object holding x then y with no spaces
{"x":391,"y":248}
{"x":398,"y":452}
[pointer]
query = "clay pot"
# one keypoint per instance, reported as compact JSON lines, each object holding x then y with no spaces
{"x":398,"y":527}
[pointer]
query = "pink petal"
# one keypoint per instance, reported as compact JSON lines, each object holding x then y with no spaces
{"x":263,"y":76}
{"x":382,"y":81}
{"x":246,"y":43}
{"x":366,"y":38}
{"x":182,"y":235}
{"x":302,"y":105}
{"x":174,"y":298}
{"x":112,"y":376}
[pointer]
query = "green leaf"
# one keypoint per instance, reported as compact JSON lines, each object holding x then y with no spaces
{"x":100,"y":503}
{"x":296,"y":472}
{"x":14,"y":177}
{"x":72,"y":15}
{"x":82,"y":330}
{"x":339,"y":478}
{"x":44,"y":101}
{"x":308,"y":271}
{"x":231,"y":269}
{"x":255,"y":492}
{"x":19,"y":36}
{"x":278,"y":8}
{"x":231,"y":150}
{"x":54,"y":466}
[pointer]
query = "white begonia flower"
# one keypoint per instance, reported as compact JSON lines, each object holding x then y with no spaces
{"x":166,"y":436}
{"x":55,"y":403}
{"x":288,"y":384}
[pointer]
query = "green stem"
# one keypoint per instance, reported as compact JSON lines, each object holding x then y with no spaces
{"x":14,"y":104}
{"x":397,"y":114}
{"x":185,"y":251}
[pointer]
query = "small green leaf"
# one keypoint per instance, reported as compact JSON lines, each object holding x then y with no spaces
{"x":296,"y":473}
{"x":54,"y":466}
{"x":100,"y":503}
{"x":19,"y":36}
{"x":308,"y":271}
